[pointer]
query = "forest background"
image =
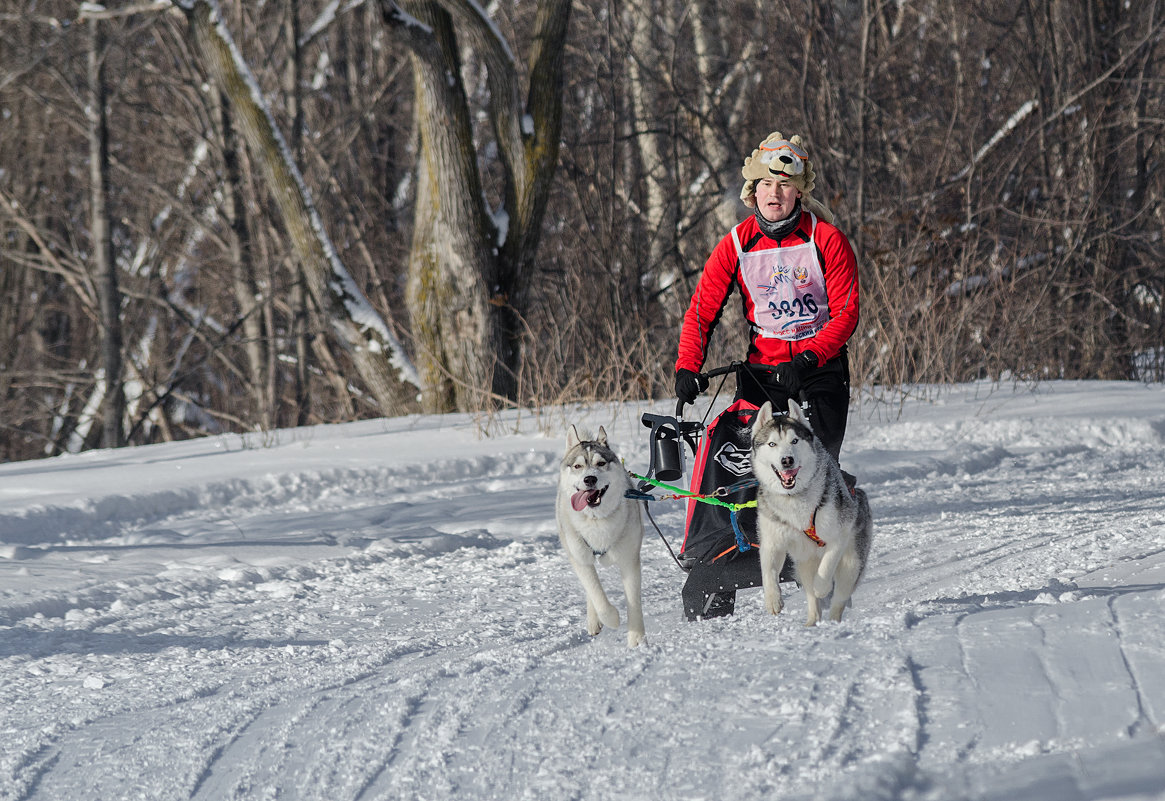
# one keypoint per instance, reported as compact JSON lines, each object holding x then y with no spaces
{"x":249,"y":215}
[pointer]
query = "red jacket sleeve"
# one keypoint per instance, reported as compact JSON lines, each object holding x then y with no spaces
{"x":707,"y":303}
{"x":841,"y":285}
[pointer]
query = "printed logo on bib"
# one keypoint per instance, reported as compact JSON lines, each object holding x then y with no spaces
{"x":780,"y":276}
{"x":796,"y":275}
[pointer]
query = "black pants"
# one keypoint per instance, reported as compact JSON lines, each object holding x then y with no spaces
{"x":825,"y":390}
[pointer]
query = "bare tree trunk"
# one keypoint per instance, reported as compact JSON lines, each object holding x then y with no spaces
{"x":469,"y":272}
{"x":104,"y":264}
{"x":528,"y":132}
{"x":373,"y":348}
{"x":658,"y":217}
{"x":246,"y":287}
{"x":292,"y":79}
{"x":451,"y":256}
{"x":714,"y":85}
{"x":864,"y":124}
{"x":1114,"y":261}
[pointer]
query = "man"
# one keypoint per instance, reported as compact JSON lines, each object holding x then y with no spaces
{"x":798,"y":276}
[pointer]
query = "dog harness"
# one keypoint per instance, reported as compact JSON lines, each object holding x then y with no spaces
{"x":811,"y":532}
{"x":742,"y":542}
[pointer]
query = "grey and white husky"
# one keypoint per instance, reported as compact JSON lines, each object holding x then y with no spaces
{"x":806,"y":510}
{"x":597,"y":523}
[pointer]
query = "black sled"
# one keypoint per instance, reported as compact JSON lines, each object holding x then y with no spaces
{"x":717,"y":566}
{"x":720,"y":557}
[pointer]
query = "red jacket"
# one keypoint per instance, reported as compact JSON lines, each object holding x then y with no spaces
{"x":721,"y":273}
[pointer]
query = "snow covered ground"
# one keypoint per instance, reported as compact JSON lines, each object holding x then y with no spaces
{"x":381,"y":611}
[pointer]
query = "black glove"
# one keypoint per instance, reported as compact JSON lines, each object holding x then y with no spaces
{"x":805,"y":363}
{"x":689,"y":384}
{"x":785,"y":375}
{"x":790,"y":374}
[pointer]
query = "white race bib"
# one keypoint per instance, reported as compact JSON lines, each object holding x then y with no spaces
{"x":787,"y":288}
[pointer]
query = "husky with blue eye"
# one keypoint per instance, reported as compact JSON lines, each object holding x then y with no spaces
{"x":597,"y":523}
{"x":806,"y":510}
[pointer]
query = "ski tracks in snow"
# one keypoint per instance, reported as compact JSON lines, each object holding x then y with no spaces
{"x":424,"y":640}
{"x":1046,"y":647}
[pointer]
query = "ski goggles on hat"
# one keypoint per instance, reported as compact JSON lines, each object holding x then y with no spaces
{"x":783,"y":157}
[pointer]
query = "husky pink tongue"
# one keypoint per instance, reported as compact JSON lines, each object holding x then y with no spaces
{"x":583,"y":498}
{"x":789,"y":477}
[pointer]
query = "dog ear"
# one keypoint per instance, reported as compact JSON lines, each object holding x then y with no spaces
{"x":795,"y":413}
{"x":572,"y":437}
{"x":602,"y":438}
{"x":764,"y":415}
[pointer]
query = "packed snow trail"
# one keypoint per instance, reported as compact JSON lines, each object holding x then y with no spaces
{"x":341,"y":615}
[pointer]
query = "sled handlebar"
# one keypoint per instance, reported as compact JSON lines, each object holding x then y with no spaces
{"x":725,"y":370}
{"x":732,"y":367}
{"x":715,"y":372}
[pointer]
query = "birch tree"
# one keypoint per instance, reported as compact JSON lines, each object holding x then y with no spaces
{"x":378,"y":355}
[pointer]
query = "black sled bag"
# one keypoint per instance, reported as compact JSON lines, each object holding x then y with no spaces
{"x":724,"y":458}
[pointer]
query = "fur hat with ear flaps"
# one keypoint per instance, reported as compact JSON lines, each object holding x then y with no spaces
{"x":778,"y":157}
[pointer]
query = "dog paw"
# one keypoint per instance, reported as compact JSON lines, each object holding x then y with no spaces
{"x":774,"y":607}
{"x":594,"y":627}
{"x":635,"y":639}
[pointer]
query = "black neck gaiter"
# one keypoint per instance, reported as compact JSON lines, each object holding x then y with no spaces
{"x":781,"y":228}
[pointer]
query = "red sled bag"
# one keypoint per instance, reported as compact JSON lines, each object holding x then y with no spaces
{"x":724,"y":459}
{"x":717,"y":567}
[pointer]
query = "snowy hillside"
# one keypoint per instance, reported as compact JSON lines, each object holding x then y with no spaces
{"x":381,"y":611}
